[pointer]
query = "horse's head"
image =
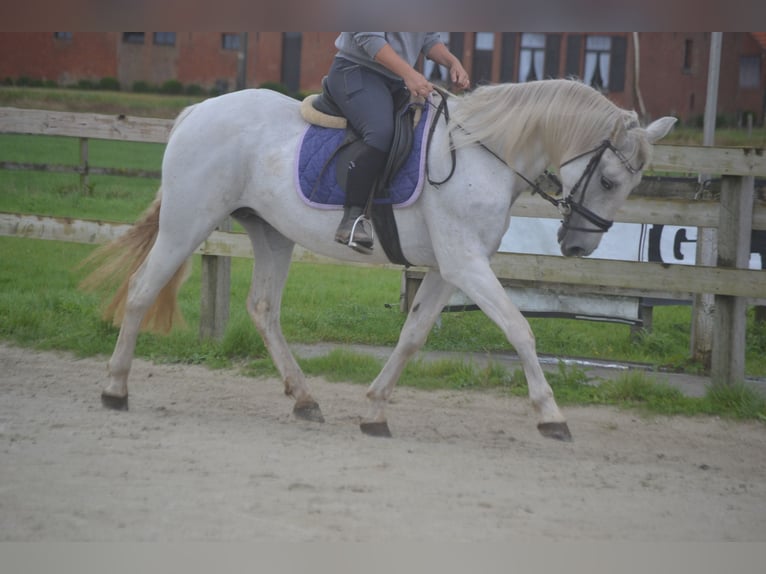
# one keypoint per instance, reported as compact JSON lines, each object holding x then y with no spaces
{"x":597,"y":182}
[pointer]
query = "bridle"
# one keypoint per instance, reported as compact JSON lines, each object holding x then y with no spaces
{"x":566,"y":206}
{"x":569,"y":204}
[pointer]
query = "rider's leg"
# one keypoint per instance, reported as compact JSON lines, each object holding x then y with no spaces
{"x":365,"y":98}
{"x":363,"y":171}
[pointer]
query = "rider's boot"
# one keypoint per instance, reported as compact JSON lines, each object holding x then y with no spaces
{"x":354,"y":230}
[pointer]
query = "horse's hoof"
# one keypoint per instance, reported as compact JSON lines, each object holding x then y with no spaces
{"x":376,"y":429}
{"x":308,"y":412}
{"x":114,"y":403}
{"x":559,"y":431}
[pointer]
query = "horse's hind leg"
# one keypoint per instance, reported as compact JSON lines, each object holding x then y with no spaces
{"x":272,"y":253}
{"x":144,"y":286}
{"x":430,"y":299}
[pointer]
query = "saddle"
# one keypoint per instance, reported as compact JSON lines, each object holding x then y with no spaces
{"x":321,"y":110}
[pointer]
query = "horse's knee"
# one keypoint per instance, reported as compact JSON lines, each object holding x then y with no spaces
{"x":260,"y":311}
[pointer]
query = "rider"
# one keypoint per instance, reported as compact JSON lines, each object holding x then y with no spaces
{"x":369,"y":68}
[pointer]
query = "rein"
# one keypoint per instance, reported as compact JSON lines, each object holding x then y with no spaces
{"x":566,"y":206}
{"x":441,"y":109}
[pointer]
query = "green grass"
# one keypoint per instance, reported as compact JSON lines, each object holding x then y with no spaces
{"x":635,"y":390}
{"x":95,"y":101}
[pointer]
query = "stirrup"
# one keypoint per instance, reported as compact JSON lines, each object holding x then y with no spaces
{"x":361,"y":248}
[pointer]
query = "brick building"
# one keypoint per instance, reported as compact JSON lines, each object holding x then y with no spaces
{"x":672,"y":65}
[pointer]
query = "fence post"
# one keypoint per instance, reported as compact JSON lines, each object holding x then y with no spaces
{"x":215,"y":292}
{"x":84,"y":166}
{"x":734,"y":231}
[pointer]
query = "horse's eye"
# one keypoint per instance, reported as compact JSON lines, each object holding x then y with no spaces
{"x":605,"y":183}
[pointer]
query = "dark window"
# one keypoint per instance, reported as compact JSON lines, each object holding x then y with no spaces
{"x":66,"y":36}
{"x":750,"y":72}
{"x":291,"y":60}
{"x":165,"y":38}
{"x":688,"y":45}
{"x":619,"y":60}
{"x":572,"y":67}
{"x":507,"y":56}
{"x":230,"y":41}
{"x":552,"y":55}
{"x":133,"y":37}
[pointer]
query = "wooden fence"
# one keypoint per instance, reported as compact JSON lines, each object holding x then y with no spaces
{"x":734,"y":215}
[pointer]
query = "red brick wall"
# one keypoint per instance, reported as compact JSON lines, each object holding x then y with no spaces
{"x":669,"y":88}
{"x":199,"y":58}
{"x":317,"y":52}
{"x":38,"y":55}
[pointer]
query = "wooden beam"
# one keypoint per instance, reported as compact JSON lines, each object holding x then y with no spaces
{"x":727,"y":362}
{"x":215,"y":292}
{"x":717,"y":160}
{"x":604,"y":274}
{"x":79,"y":125}
{"x":666,"y":158}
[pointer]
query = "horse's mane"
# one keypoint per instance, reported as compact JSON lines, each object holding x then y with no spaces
{"x":570,"y":116}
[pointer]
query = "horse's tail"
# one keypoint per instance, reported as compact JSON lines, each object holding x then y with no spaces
{"x":119,"y":260}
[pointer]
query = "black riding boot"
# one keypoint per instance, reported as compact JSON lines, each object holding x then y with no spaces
{"x":354,"y":230}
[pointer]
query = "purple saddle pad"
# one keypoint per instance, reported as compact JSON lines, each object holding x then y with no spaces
{"x":316,"y":168}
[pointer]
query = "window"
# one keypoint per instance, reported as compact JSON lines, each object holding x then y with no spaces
{"x":65,"y":36}
{"x":750,"y":72}
{"x":165,"y":38}
{"x":133,"y":37}
{"x":230,"y":41}
{"x":291,"y":60}
{"x":598,"y":52}
{"x":484,"y":45}
{"x":688,"y":45}
{"x":532,"y":57}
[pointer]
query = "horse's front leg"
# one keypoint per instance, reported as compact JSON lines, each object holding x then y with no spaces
{"x":431,"y":297}
{"x":475,"y":278}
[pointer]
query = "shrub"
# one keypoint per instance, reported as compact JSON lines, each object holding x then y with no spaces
{"x":194,"y":90}
{"x":109,"y":84}
{"x":172,"y":87}
{"x":141,"y":87}
{"x":87,"y":84}
{"x":276,"y":86}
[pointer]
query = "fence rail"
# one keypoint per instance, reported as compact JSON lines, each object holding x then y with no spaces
{"x":735,"y":214}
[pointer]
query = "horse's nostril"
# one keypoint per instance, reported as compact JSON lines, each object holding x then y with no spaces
{"x":574,"y":251}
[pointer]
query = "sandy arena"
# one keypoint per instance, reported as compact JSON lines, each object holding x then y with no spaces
{"x":213,"y":455}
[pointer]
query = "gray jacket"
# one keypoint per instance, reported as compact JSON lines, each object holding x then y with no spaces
{"x":361,"y":47}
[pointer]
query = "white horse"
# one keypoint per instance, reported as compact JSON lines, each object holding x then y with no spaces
{"x":235,"y":155}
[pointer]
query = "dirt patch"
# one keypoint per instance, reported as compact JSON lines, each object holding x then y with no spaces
{"x":217,"y":456}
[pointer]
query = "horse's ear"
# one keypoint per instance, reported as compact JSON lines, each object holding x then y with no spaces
{"x":628,"y":121}
{"x":658,"y":129}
